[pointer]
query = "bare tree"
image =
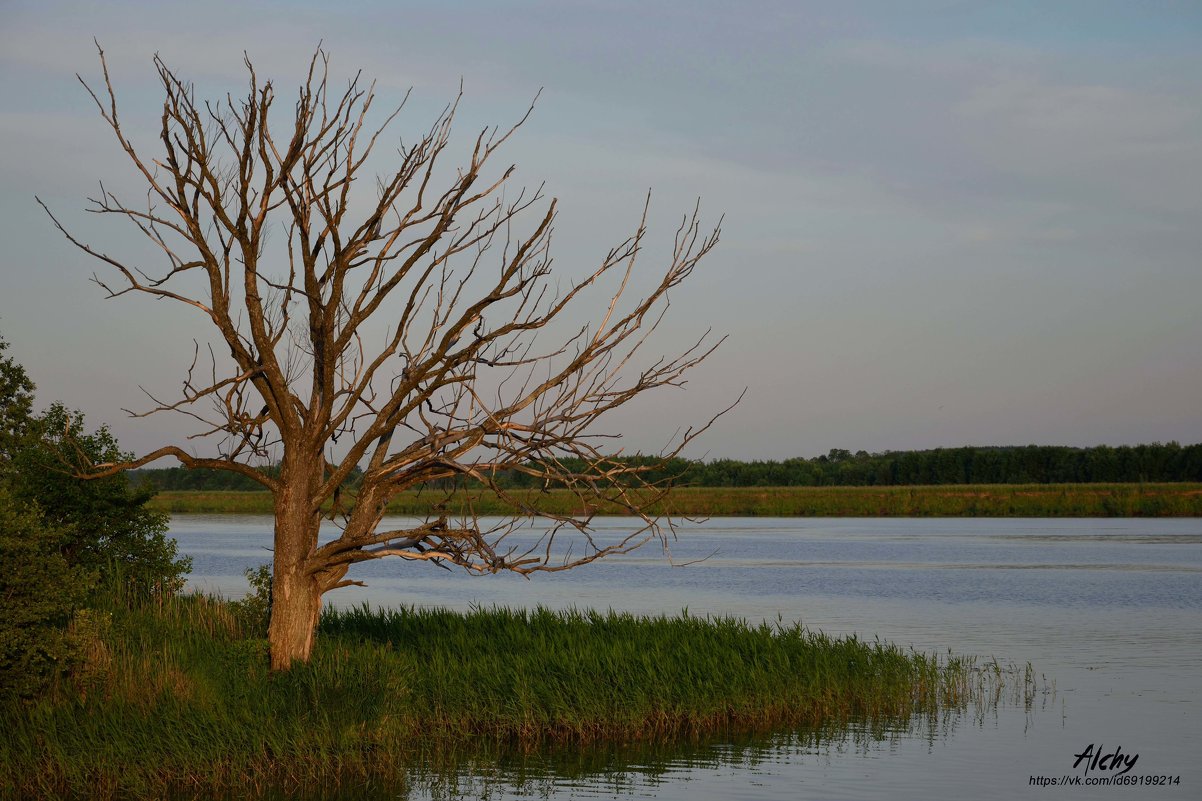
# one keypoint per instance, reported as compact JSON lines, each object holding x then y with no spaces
{"x":402,"y":341}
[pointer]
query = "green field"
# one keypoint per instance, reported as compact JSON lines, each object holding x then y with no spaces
{"x":993,"y":500}
{"x":175,"y":699}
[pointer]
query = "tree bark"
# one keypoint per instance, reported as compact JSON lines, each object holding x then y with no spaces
{"x":296,"y":605}
{"x":295,"y":593}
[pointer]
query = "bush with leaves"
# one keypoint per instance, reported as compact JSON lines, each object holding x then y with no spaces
{"x":16,"y":407}
{"x":40,"y":592}
{"x":254,"y":611}
{"x":62,"y":539}
{"x":112,"y":530}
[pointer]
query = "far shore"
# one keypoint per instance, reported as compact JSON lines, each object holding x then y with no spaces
{"x":972,"y":500}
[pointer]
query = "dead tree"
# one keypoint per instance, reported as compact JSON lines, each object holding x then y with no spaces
{"x":402,"y":341}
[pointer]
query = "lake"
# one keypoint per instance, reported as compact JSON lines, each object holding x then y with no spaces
{"x":1109,"y":613}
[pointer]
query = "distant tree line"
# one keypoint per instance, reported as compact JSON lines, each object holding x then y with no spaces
{"x":1030,"y":464}
{"x":201,"y":480}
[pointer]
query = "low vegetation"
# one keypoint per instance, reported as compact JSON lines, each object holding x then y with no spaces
{"x":175,"y":697}
{"x":61,"y":539}
{"x":1001,"y":500}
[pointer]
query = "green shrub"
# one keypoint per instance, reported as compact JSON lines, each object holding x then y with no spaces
{"x":16,"y":406}
{"x":40,"y":591}
{"x":62,"y":538}
{"x":111,"y":529}
{"x":254,"y":611}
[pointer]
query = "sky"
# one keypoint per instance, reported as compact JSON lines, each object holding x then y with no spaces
{"x":944,"y":223}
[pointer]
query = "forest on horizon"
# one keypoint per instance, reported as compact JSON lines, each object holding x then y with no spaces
{"x":1029,"y":464}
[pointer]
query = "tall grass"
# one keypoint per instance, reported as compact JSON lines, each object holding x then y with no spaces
{"x":176,"y":698}
{"x":998,"y":500}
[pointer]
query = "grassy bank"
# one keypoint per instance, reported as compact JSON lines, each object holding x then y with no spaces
{"x":996,"y":500}
{"x":176,"y":699}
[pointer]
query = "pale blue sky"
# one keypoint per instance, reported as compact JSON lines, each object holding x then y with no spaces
{"x":947,"y":223}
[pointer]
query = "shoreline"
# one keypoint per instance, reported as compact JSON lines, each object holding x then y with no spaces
{"x":175,"y":698}
{"x":959,"y":500}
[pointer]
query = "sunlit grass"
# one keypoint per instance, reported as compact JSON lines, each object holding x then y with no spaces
{"x":993,"y":500}
{"x":177,"y":697}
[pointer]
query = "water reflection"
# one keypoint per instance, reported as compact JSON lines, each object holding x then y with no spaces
{"x":1106,"y":610}
{"x":702,"y":767}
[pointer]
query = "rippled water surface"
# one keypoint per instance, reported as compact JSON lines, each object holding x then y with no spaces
{"x":1109,"y":612}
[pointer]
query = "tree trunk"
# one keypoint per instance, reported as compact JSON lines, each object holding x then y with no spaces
{"x":295,"y":607}
{"x":295,"y":595}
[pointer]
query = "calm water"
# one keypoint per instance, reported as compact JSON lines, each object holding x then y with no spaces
{"x":1109,"y":611}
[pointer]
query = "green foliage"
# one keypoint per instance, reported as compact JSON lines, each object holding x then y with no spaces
{"x":204,"y":479}
{"x":1031,"y":464}
{"x":16,"y":406}
{"x":40,"y":591}
{"x":62,"y":537}
{"x":254,"y":611}
{"x":201,"y":479}
{"x":112,"y":530}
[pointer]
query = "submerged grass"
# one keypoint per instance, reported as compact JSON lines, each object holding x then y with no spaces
{"x":177,"y":699}
{"x":971,"y":500}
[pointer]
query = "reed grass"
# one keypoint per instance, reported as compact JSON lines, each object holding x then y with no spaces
{"x":993,"y":500}
{"x":176,"y":699}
